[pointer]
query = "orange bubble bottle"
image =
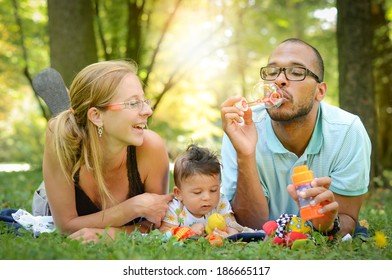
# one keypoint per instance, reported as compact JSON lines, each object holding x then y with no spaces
{"x":302,"y":178}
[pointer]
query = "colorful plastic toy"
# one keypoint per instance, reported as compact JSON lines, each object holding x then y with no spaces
{"x":181,"y":233}
{"x":290,"y":231}
{"x":301,"y":179}
{"x":214,"y":221}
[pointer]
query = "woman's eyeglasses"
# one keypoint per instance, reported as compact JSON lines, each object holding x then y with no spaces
{"x":131,"y":105}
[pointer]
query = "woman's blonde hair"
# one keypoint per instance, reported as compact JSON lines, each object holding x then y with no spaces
{"x":76,"y":137}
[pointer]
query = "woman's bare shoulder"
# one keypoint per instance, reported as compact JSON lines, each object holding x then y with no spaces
{"x":152,"y":140}
{"x":152,"y":151}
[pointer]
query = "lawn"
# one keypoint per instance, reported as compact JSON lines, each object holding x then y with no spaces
{"x":16,"y":189}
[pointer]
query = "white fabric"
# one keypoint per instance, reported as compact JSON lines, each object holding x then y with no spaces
{"x":35,"y":224}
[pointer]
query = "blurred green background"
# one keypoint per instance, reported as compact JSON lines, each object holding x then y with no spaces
{"x":192,"y":55}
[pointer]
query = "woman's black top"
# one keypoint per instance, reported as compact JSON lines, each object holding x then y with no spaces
{"x":85,"y":206}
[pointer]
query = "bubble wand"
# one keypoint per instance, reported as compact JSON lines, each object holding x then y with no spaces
{"x":272,"y":98}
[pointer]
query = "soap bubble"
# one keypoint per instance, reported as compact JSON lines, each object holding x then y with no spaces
{"x":265,"y":94}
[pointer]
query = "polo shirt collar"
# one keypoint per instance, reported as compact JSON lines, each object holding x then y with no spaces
{"x":313,"y":147}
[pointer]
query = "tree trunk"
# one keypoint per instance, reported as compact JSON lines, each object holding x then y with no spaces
{"x":383,"y":77}
{"x":134,"y":37}
{"x":356,"y":90}
{"x":72,"y":39}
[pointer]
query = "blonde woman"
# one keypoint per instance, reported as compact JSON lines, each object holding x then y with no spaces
{"x":104,"y":171}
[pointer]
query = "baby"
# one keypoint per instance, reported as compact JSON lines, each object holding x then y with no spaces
{"x":197,"y":177}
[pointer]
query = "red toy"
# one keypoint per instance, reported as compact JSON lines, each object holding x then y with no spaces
{"x":290,"y":231}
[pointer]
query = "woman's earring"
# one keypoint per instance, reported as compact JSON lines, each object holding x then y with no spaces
{"x":100,"y":131}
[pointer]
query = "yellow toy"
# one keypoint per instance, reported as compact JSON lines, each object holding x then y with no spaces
{"x":214,"y":221}
{"x":297,"y":224}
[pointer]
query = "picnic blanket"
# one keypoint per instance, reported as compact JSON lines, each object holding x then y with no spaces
{"x":20,"y":218}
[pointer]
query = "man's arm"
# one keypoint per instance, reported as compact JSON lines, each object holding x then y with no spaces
{"x":349,"y":207}
{"x":249,"y":203}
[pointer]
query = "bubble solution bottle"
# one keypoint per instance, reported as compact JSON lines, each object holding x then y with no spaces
{"x":301,"y":179}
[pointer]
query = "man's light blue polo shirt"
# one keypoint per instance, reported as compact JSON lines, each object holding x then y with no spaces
{"x":339,"y":148}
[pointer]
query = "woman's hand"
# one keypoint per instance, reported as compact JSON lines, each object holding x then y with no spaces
{"x":153,"y":207}
{"x":321,"y":195}
{"x":109,"y":234}
{"x":87,"y":235}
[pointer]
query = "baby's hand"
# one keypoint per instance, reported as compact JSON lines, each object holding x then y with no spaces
{"x":220,"y":233}
{"x":198,"y":229}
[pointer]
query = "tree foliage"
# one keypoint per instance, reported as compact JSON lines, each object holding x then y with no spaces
{"x":191,"y":54}
{"x":23,"y":51}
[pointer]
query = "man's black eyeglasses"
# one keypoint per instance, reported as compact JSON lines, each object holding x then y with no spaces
{"x":295,"y":73}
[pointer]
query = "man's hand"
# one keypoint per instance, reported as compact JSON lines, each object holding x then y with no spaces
{"x":239,"y":126}
{"x":321,"y":195}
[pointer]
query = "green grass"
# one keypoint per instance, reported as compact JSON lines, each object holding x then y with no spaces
{"x":16,"y":191}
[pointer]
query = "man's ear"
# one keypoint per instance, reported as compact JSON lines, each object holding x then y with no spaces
{"x":95,"y":116}
{"x":322,"y":91}
{"x":177,"y":193}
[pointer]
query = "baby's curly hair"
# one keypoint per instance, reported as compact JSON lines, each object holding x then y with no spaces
{"x":196,"y":160}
